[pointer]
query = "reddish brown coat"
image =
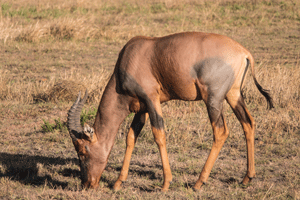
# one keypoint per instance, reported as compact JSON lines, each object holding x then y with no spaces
{"x":187,"y":66}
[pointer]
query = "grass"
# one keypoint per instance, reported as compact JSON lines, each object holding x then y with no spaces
{"x":48,"y":46}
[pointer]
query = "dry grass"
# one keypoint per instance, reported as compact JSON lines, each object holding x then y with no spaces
{"x":64,"y":87}
{"x":105,"y":21}
{"x":52,"y":49}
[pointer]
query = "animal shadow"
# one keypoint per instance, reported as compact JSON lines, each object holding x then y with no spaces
{"x":24,"y":168}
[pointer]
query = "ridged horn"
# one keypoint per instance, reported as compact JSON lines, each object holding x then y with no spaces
{"x":73,"y":122}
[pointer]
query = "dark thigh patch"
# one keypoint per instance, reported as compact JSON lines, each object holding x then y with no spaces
{"x":216,"y":74}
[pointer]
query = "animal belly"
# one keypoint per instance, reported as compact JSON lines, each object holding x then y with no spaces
{"x":186,"y":92}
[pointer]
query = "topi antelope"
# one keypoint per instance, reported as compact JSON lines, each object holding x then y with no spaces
{"x":187,"y":66}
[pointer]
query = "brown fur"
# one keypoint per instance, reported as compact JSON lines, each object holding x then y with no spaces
{"x":186,"y":66}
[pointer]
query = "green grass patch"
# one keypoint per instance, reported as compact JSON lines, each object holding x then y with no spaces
{"x":88,"y":115}
{"x":57,"y":125}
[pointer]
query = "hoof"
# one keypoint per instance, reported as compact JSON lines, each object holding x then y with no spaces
{"x":117,"y":186}
{"x":198,"y":186}
{"x":166,"y":186}
{"x":246,"y":181}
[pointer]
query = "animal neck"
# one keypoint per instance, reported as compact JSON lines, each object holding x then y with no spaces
{"x":112,"y":111}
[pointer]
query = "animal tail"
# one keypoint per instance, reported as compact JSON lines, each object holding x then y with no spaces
{"x":264,"y":92}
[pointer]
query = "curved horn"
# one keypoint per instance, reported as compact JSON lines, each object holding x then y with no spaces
{"x":73,"y":122}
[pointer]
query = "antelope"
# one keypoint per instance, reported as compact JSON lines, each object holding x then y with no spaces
{"x":187,"y":66}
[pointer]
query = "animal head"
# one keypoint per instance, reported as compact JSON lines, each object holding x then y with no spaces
{"x":91,"y":159}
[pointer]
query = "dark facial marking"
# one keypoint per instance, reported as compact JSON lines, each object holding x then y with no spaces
{"x":83,"y":169}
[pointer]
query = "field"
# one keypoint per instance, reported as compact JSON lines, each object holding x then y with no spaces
{"x":52,"y":49}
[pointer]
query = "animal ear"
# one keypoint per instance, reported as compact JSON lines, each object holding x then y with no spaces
{"x":89,"y":133}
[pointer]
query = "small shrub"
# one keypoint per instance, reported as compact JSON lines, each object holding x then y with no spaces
{"x":58,"y":125}
{"x":47,"y":127}
{"x":87,"y":115}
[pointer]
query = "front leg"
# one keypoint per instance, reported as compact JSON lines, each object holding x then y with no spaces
{"x":160,"y":139}
{"x":134,"y":131}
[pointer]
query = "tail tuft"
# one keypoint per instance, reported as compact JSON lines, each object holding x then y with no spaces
{"x":266,"y":94}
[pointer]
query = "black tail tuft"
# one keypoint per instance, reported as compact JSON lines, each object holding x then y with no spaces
{"x":266,"y":94}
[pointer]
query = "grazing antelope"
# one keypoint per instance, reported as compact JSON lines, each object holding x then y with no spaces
{"x":188,"y":66}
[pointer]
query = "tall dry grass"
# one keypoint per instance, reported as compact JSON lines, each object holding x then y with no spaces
{"x":64,"y":87}
{"x":64,"y":28}
{"x":118,"y":21}
{"x":283,"y":83}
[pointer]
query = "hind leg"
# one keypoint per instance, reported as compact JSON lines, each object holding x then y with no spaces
{"x":220,"y":132}
{"x":236,"y":101}
{"x":134,"y":131}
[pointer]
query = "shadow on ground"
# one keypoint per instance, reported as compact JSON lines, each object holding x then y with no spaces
{"x":24,"y":168}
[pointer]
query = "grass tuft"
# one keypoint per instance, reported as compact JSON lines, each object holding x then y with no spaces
{"x":58,"y":125}
{"x":89,"y":115}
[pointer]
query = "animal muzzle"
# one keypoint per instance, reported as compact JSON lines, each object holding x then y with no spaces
{"x":93,"y":184}
{"x":91,"y":179}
